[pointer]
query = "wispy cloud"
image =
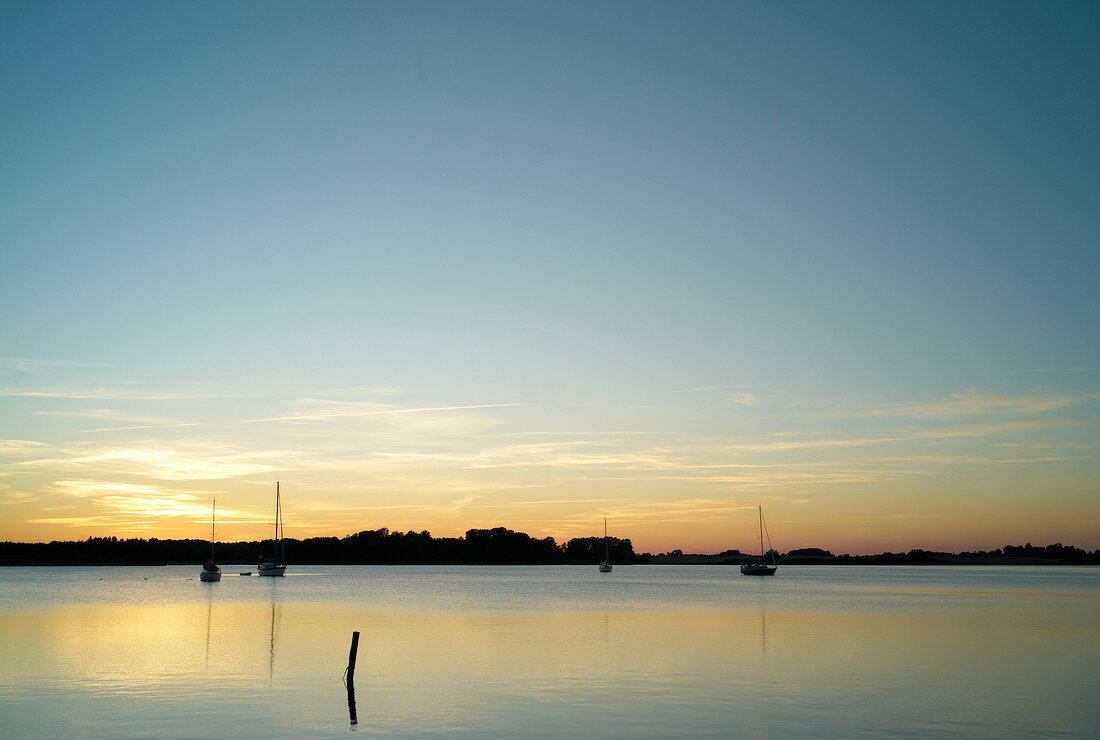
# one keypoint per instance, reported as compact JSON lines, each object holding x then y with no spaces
{"x":788,"y":445}
{"x":184,"y":461}
{"x":102,"y":430}
{"x":635,"y":514}
{"x":704,"y":388}
{"x":968,"y":404}
{"x":29,"y":365}
{"x":16,"y":497}
{"x":136,"y":500}
{"x":999,"y":428}
{"x":118,"y":394}
{"x":744,"y":398}
{"x":112,"y":520}
{"x":990,"y":429}
{"x":106,"y":414}
{"x":1036,"y":445}
{"x":964,"y":460}
{"x":22,"y":447}
{"x":130,"y":504}
{"x":86,"y":488}
{"x":344,"y":410}
{"x":135,"y":421}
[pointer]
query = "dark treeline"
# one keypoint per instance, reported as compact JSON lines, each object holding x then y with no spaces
{"x":498,"y":546}
{"x":1008,"y":555}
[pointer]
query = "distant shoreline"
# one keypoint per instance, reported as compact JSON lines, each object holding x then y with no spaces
{"x":705,"y":561}
{"x":861,"y":560}
{"x":497,"y":546}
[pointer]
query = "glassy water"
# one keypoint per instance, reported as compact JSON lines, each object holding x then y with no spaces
{"x":646,"y":651}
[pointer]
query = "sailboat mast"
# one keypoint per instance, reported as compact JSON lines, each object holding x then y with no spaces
{"x":213,"y":508}
{"x":760,"y":511}
{"x":282,"y":529}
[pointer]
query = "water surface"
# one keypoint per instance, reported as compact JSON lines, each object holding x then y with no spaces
{"x":646,"y":651}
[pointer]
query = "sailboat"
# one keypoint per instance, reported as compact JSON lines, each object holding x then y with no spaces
{"x":210,"y":571}
{"x":605,"y":566}
{"x":761,"y":568}
{"x":276,"y":564}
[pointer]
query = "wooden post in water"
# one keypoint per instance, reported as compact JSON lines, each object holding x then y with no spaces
{"x":351,"y":676}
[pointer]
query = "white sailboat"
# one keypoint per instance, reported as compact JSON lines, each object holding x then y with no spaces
{"x":210,"y":571}
{"x":761,"y":568}
{"x":276,"y":564}
{"x":605,"y":566}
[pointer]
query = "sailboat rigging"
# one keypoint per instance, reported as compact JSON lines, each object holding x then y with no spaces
{"x":605,"y":566}
{"x":276,"y":564}
{"x":210,"y":571}
{"x":761,"y":568}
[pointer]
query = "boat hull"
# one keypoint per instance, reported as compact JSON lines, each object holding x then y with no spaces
{"x":605,"y":567}
{"x":271,"y":569}
{"x":207,"y":575}
{"x":758,"y":570}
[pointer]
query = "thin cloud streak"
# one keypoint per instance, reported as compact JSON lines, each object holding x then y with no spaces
{"x":965,"y":460}
{"x":101,"y":394}
{"x":1004,"y":427}
{"x":967,"y":404}
{"x":188,"y":461}
{"x":139,"y":504}
{"x":107,"y":414}
{"x":718,"y":388}
{"x":17,"y":497}
{"x":355,"y":413}
{"x":17,"y":447}
{"x":102,"y":430}
{"x":29,"y":365}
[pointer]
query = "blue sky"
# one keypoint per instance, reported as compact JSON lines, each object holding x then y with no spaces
{"x":707,"y":226}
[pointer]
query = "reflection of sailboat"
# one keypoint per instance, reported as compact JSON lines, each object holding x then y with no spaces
{"x":210,"y":571}
{"x":761,"y":568}
{"x":271,"y":658}
{"x":276,"y":564}
{"x":209,"y":611}
{"x":605,"y":566}
{"x":763,"y":633}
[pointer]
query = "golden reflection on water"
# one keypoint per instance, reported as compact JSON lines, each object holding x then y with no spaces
{"x":158,"y":644}
{"x":475,"y":667}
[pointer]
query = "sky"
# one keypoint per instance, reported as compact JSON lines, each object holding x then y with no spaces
{"x":440,"y":266}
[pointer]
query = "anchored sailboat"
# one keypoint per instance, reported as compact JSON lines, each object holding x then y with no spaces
{"x":276,"y":564}
{"x":761,"y":568}
{"x":605,"y":566}
{"x":210,"y":571}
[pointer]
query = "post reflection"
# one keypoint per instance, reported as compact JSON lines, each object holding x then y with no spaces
{"x":764,"y":633}
{"x":271,"y":650}
{"x":209,"y":611}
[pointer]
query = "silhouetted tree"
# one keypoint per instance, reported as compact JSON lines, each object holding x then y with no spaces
{"x":580,"y":550}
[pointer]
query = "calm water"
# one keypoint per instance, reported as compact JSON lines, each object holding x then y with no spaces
{"x":647,"y":651}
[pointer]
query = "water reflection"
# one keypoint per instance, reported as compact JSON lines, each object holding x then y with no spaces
{"x":209,"y":613}
{"x":271,"y":652}
{"x":616,"y":669}
{"x":764,"y":633}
